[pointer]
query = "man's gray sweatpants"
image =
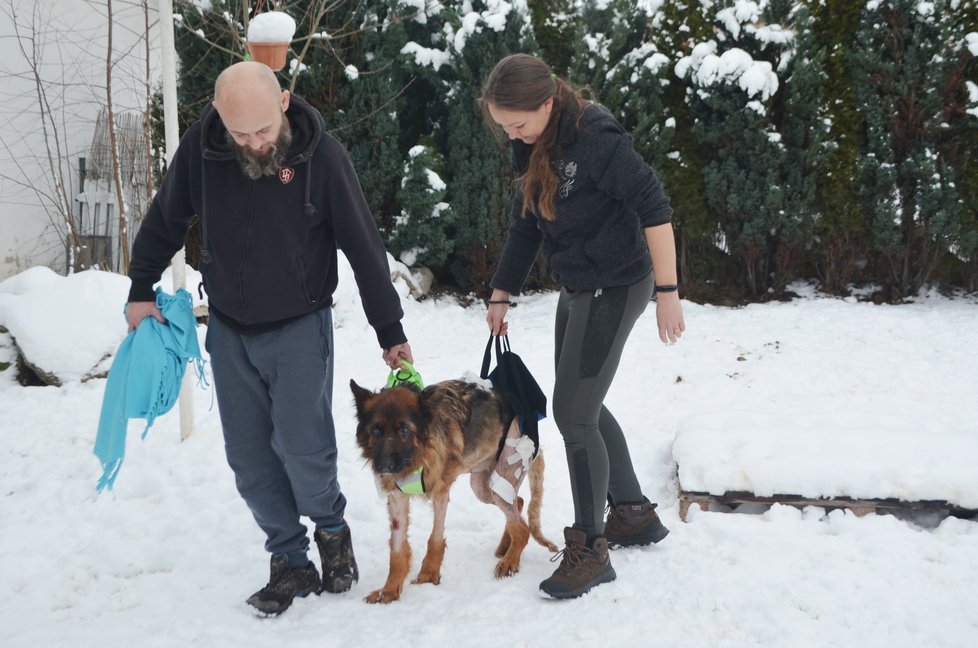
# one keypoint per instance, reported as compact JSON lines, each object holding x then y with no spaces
{"x":590,"y":333}
{"x":274,"y":392}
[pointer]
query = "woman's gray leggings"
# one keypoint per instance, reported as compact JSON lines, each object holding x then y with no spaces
{"x":590,"y":333}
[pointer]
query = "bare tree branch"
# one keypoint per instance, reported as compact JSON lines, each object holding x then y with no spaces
{"x":374,"y":111}
{"x":58,"y":197}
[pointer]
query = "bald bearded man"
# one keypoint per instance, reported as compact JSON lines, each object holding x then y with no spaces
{"x":276,"y":197}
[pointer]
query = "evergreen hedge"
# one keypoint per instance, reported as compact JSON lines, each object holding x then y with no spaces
{"x":819,"y":139}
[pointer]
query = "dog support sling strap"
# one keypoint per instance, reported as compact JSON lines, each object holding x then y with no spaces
{"x":525,"y":400}
{"x":514,"y":381}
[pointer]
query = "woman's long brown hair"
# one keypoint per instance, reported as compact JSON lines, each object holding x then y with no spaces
{"x":523,"y":82}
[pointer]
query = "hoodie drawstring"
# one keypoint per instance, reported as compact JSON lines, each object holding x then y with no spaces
{"x":205,"y":255}
{"x":309,"y":208}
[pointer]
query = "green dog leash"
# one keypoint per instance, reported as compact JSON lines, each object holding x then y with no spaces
{"x":406,"y":374}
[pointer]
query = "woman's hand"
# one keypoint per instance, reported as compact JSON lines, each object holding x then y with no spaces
{"x":668,"y":310}
{"x":669,"y":316}
{"x":496,"y":315}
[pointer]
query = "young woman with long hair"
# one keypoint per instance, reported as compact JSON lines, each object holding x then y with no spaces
{"x":596,"y":209}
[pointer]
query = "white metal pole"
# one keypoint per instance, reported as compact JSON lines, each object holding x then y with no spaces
{"x":178,"y":266}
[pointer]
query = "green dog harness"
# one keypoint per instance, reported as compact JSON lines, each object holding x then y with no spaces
{"x":413,"y":484}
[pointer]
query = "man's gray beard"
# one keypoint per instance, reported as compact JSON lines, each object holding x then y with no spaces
{"x":255,"y":166}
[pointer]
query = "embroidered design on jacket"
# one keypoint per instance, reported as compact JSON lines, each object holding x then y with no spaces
{"x":286,"y":174}
{"x":566,"y":174}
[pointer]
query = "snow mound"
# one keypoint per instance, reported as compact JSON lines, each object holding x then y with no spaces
{"x":843,"y":454}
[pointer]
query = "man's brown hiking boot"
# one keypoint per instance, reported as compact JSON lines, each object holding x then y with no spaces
{"x":632,"y":525}
{"x":581,"y":567}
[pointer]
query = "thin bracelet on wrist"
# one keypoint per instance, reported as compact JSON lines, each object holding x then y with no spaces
{"x":669,"y":288}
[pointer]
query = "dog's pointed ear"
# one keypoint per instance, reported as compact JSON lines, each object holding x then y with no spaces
{"x":360,"y":395}
{"x":429,"y":410}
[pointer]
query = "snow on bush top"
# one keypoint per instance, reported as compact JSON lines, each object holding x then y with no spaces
{"x":271,"y":27}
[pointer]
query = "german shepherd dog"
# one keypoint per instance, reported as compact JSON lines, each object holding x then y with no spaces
{"x":447,"y":429}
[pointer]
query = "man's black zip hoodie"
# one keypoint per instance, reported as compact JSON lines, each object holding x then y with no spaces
{"x":268,"y":245}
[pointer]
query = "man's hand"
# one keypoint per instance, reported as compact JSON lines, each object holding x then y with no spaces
{"x":395,"y":354}
{"x":136,"y":312}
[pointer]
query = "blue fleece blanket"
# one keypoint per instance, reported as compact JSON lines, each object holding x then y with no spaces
{"x":145,"y":377}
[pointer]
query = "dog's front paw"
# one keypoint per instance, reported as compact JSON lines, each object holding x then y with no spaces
{"x":383,"y":596}
{"x":506,"y":568}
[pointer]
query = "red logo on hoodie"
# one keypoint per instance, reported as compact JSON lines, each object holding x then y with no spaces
{"x":286,"y":175}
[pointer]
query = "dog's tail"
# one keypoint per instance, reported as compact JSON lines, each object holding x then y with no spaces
{"x":536,"y":501}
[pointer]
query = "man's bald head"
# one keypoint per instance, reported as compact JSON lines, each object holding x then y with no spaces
{"x":251,"y":104}
{"x":246,"y":80}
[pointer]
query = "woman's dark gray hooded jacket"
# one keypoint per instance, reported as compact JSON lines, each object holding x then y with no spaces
{"x":606,"y":196}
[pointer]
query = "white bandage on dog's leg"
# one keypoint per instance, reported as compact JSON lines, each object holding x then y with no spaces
{"x":500,"y":486}
{"x":524,"y":448}
{"x":511,"y":467}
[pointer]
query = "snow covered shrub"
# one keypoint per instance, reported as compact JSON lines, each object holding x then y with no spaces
{"x":732,"y":80}
{"x":908,"y":68}
{"x":424,"y":232}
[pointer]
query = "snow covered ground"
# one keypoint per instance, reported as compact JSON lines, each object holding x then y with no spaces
{"x":168,"y":558}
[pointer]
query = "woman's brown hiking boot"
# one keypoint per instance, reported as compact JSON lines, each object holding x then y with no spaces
{"x":581,"y":567}
{"x":633,"y":525}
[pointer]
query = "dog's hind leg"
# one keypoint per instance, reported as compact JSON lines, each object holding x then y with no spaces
{"x":398,"y":509}
{"x":505,"y":541}
{"x":479,"y":480}
{"x":431,"y":565}
{"x":507,"y":476}
{"x":516,"y":535}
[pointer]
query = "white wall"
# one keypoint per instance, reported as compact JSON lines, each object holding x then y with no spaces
{"x":71,"y":43}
